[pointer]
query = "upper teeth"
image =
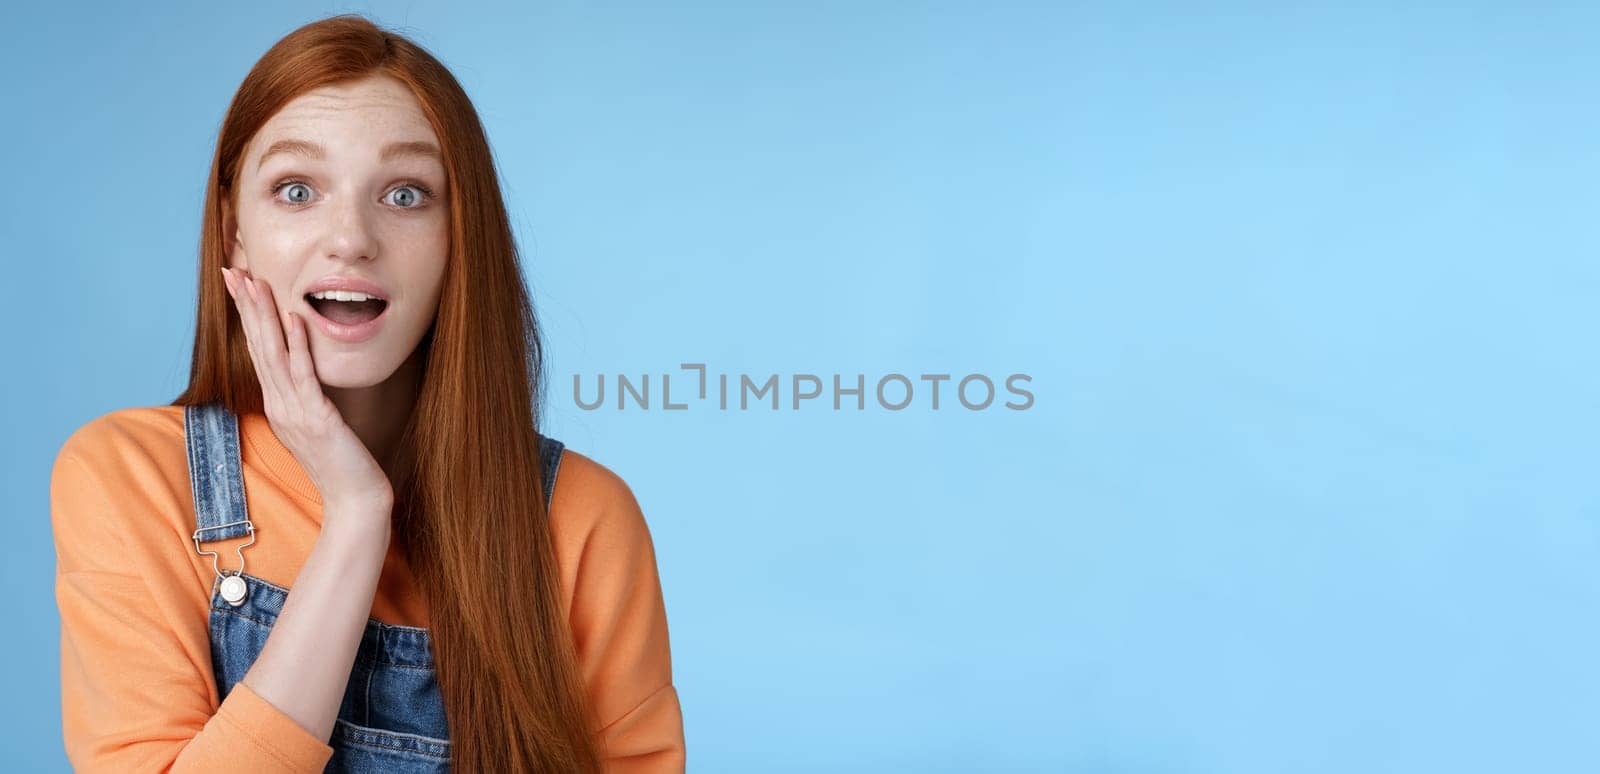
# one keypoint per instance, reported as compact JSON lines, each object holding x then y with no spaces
{"x":342,"y":295}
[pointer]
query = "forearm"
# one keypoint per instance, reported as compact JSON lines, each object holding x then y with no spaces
{"x":306,"y":662}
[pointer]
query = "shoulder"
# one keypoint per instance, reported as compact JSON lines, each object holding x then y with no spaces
{"x":594,"y":510}
{"x":589,"y":493}
{"x":124,"y":449}
{"x":114,"y":473}
{"x":125,"y":435}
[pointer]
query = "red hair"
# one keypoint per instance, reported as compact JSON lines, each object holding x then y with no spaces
{"x":468,"y":460}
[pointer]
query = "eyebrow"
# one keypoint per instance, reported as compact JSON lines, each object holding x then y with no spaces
{"x":419,"y":148}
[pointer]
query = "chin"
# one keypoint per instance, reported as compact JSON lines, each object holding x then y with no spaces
{"x":353,"y":373}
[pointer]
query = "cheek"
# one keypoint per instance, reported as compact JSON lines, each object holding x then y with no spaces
{"x":271,"y":253}
{"x":272,"y":236}
{"x":427,"y":248}
{"x":430,"y":233}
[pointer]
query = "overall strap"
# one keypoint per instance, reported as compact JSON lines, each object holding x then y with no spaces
{"x":216,"y":475}
{"x":549,"y":463}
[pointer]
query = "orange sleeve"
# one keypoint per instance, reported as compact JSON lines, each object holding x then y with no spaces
{"x":619,"y":623}
{"x":136,"y":693}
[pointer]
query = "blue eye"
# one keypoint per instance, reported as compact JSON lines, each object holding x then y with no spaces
{"x":295,"y":186}
{"x":408,"y":195}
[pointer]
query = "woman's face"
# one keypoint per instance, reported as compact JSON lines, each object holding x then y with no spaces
{"x":346,"y":182}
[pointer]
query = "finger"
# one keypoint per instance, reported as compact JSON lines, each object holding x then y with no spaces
{"x":244,"y":301}
{"x":250,"y":319}
{"x":270,"y":339}
{"x":232,"y":284}
{"x":275,"y":343}
{"x":241,"y":304}
{"x":229,"y":282}
{"x":302,"y":371}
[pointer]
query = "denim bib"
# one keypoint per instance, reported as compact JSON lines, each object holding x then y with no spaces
{"x":392,"y":718}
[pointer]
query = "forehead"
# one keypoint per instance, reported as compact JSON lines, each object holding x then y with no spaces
{"x":349,"y":116}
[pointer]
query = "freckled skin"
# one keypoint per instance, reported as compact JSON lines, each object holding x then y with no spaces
{"x":353,"y":215}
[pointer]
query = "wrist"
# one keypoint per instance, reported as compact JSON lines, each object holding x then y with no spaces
{"x":363,"y":522}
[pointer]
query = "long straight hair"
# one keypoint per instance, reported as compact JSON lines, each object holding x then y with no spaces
{"x":469,"y":505}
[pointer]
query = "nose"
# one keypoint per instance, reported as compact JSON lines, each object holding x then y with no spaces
{"x":349,"y":236}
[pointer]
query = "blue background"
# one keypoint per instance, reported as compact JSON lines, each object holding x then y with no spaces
{"x":1308,"y":296}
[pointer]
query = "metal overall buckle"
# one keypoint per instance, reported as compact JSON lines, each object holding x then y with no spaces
{"x":233,"y":586}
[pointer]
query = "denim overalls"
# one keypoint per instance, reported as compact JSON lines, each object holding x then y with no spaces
{"x":392,"y":718}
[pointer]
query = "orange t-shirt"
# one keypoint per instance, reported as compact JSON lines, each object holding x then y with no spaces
{"x":137,"y":689}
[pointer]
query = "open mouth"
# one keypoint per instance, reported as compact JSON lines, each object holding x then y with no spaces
{"x":348,"y":312}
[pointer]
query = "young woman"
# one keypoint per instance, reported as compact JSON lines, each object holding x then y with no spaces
{"x":432,"y":583}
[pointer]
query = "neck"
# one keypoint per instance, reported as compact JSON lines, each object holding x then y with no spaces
{"x":378,"y":414}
